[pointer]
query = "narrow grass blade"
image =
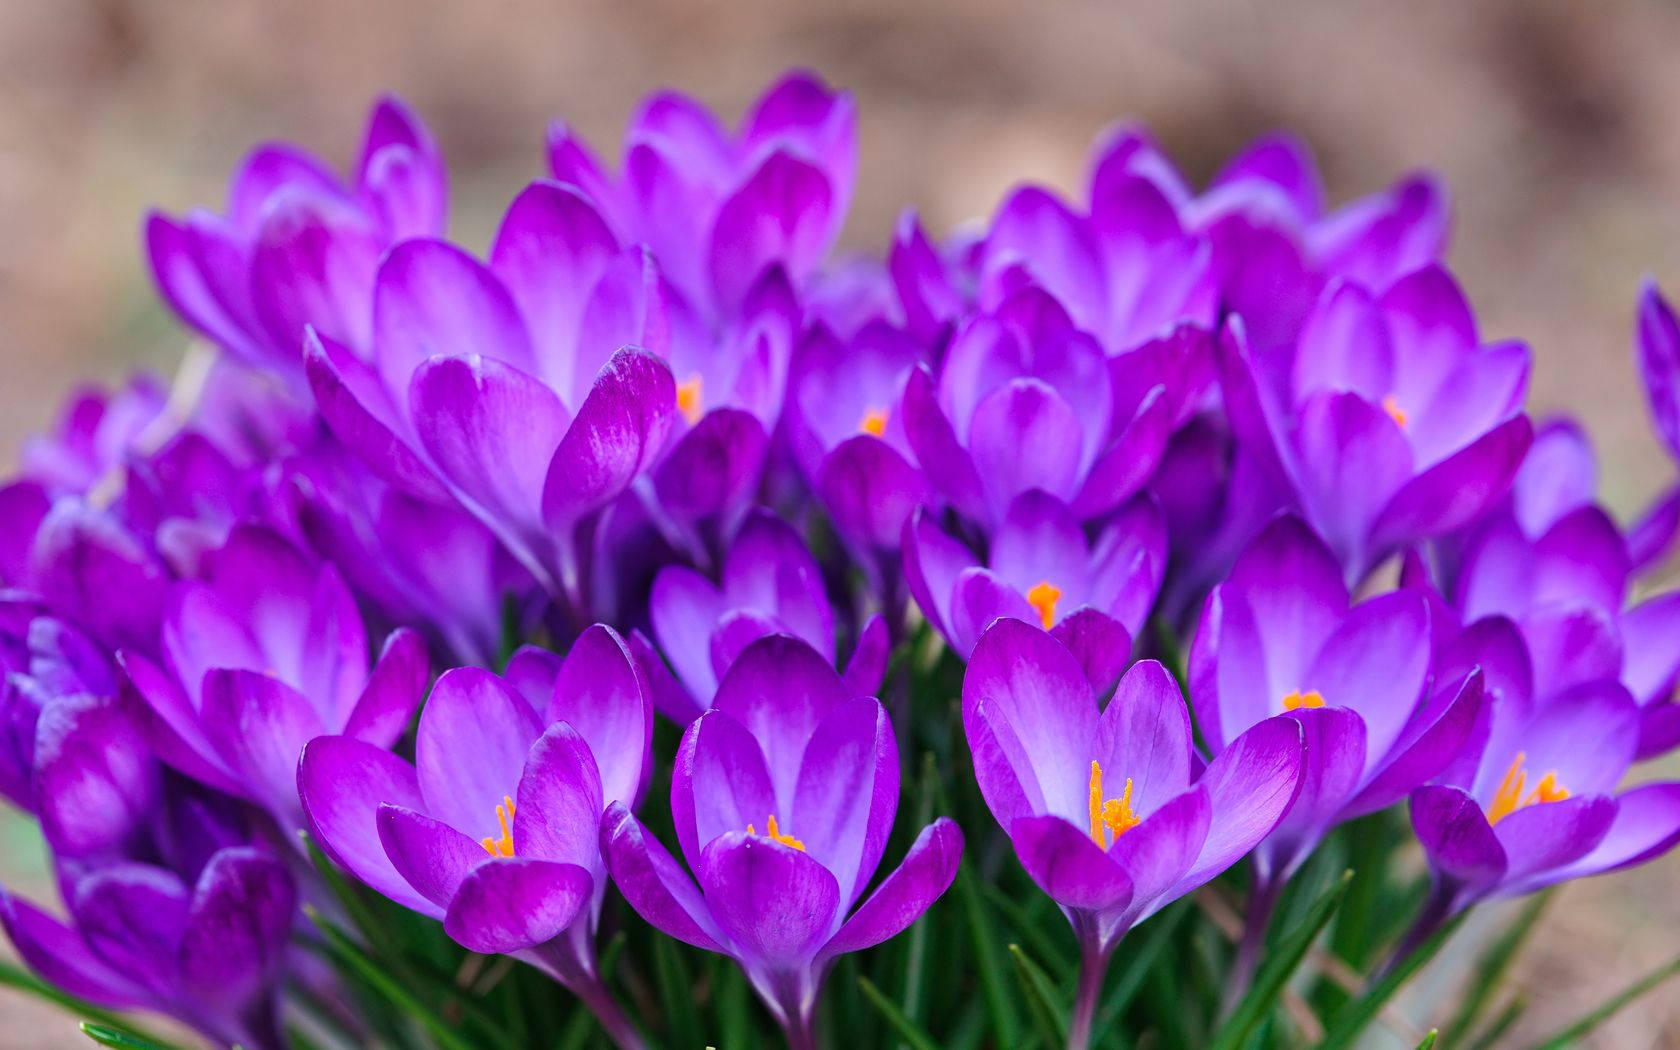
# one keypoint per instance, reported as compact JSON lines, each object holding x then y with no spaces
{"x":676,"y":993}
{"x":1351,"y":1019}
{"x":108,"y":1035}
{"x":1491,"y":967}
{"x":1042,"y":996}
{"x":1503,"y":1022}
{"x":1428,"y":1042}
{"x":1282,"y":960}
{"x":1006,"y":1024}
{"x":103,"y":1019}
{"x":907,"y":1029}
{"x":350,"y":954}
{"x":1568,"y":1036}
{"x":1134,"y":964}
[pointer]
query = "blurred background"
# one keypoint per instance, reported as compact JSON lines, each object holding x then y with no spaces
{"x":1554,"y":123}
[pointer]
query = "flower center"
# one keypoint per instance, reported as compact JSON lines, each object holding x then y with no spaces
{"x":874,"y":422}
{"x":502,"y":846}
{"x":1310,"y":698}
{"x":1509,"y":798}
{"x":776,"y":833}
{"x":1395,"y":412}
{"x":1110,"y":815}
{"x":1043,"y":597}
{"x":688,"y":399}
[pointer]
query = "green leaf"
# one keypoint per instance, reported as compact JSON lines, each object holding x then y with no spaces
{"x":1281,"y":962}
{"x":1036,"y":935}
{"x":24,"y":981}
{"x":1491,"y":967}
{"x":109,"y":1035}
{"x":1351,"y":1019}
{"x":676,"y":993}
{"x":347,"y":952}
{"x":1593,"y":1019}
{"x":907,"y":1029}
{"x":1503,"y":1022}
{"x":1428,"y":1042}
{"x":1126,"y":978}
{"x":1006,"y":1024}
{"x":1047,"y":1009}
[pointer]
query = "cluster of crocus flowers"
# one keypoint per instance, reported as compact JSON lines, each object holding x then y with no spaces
{"x":1142,"y":457}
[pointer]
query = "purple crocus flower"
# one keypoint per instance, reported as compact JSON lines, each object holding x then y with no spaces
{"x":1280,"y":637}
{"x":493,"y":830}
{"x":207,"y":949}
{"x":299,"y":246}
{"x":515,"y":389}
{"x":1538,"y":803}
{"x":783,"y":796}
{"x":717,"y":209}
{"x":264,"y":653}
{"x":770,"y":584}
{"x":1393,"y":425}
{"x":1041,"y":568}
{"x":94,"y":435}
{"x":1104,"y":807}
{"x":1656,"y":347}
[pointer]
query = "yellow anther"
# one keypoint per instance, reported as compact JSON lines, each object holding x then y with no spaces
{"x":1043,"y":597}
{"x":688,"y":399}
{"x":1110,"y":816}
{"x":775,"y":832}
{"x":1395,"y":412}
{"x":874,"y":422}
{"x":1510,"y":795}
{"x":503,"y":846}
{"x":1310,"y":698}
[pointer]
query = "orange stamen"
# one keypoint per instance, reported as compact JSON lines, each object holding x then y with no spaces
{"x":874,"y":422}
{"x":1310,"y":698}
{"x":1395,"y":412}
{"x":1043,"y":597}
{"x":1111,"y":816}
{"x":776,"y":833}
{"x":502,"y":846}
{"x":688,"y":399}
{"x":1509,"y":797}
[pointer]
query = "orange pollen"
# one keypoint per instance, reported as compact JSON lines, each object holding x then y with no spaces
{"x":874,"y":422}
{"x":1110,"y":815}
{"x":1395,"y":412}
{"x":776,"y":833}
{"x":1310,"y":698}
{"x":1509,"y":797}
{"x":1043,"y":597}
{"x":688,"y":399}
{"x":502,"y":846}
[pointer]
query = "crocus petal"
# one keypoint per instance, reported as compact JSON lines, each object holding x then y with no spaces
{"x":721,"y":784}
{"x":932,"y":438}
{"x":430,"y":854}
{"x":870,"y":490}
{"x":1539,"y":838}
{"x":1251,"y":785}
{"x":907,"y":893}
{"x":516,"y":903}
{"x":600,"y":693}
{"x":94,"y":776}
{"x":653,"y":882}
{"x":770,"y":569}
{"x":355,"y":402}
{"x":742,"y":873}
{"x":1376,"y":663}
{"x":1064,"y":862}
{"x":1457,"y":490}
{"x":1158,"y":853}
{"x":780,"y":215}
{"x":432,"y":298}
{"x":175,"y":731}
{"x":1657,"y":348}
{"x":1041,"y":710}
{"x":1350,"y":459}
{"x":341,"y":783}
{"x":867,"y":669}
{"x":470,"y":749}
{"x":1130,"y":461}
{"x":59,"y":955}
{"x":1647,"y":823}
{"x":1456,"y":835}
{"x":847,"y":793}
{"x":1099,"y":642}
{"x":313,"y":263}
{"x":1025,"y":436}
{"x":1143,"y":736}
{"x":932,"y":563}
{"x":258,"y":725}
{"x":981,"y":599}
{"x":781,"y":689}
{"x":715,"y":466}
{"x":1333,"y":770}
{"x":1424,"y":750}
{"x":394,"y":688}
{"x":558,"y":816}
{"x":1650,"y":662}
{"x":133,"y":916}
{"x":235,"y":937}
{"x":619,"y":428}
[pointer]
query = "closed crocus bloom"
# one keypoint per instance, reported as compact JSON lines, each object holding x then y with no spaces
{"x":718,"y":207}
{"x":264,"y":653}
{"x":493,"y":830}
{"x":1401,"y":386}
{"x":1539,"y":803}
{"x":1281,"y":638}
{"x":770,"y":584}
{"x":298,"y":245}
{"x":1104,"y":806}
{"x":1041,"y":568}
{"x":519,"y":390}
{"x":783,"y":797}
{"x":207,"y":949}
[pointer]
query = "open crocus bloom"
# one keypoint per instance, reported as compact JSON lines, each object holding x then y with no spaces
{"x":207,"y":949}
{"x":1041,"y":568}
{"x":263,"y":654}
{"x":783,"y":796}
{"x":1103,"y":806}
{"x":1398,"y":388}
{"x":770,"y":584}
{"x":1280,"y":637}
{"x":529,"y":390}
{"x":1538,"y":806}
{"x":297,"y":245}
{"x":493,"y":829}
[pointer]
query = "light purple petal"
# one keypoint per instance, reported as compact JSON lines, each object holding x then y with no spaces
{"x":1067,"y":865}
{"x":847,"y":794}
{"x":907,"y":893}
{"x":517,"y":903}
{"x":740,"y":872}
{"x":618,"y":430}
{"x":432,"y":856}
{"x":654,"y":884}
{"x":1456,"y":835}
{"x":1251,"y":785}
{"x":470,"y":749}
{"x":600,"y":693}
{"x":1143,"y":736}
{"x":342,"y":782}
{"x":258,"y":725}
{"x":558,"y":816}
{"x":393,"y":690}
